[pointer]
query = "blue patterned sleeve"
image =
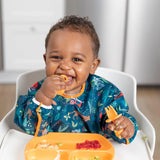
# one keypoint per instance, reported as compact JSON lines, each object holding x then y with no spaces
{"x":116,"y":99}
{"x":26,"y":115}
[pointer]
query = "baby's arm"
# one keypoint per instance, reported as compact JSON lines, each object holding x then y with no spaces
{"x":26,"y":115}
{"x":126,"y":123}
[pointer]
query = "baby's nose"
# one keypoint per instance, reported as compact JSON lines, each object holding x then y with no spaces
{"x":65,"y":64}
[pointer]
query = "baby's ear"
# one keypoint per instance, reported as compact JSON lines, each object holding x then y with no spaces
{"x":94,"y":65}
{"x":44,"y":57}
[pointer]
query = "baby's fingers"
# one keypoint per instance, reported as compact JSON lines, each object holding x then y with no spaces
{"x":120,"y":123}
{"x":111,"y":126}
{"x":125,"y":124}
{"x":117,"y":124}
{"x":127,"y":132}
{"x":54,"y":102}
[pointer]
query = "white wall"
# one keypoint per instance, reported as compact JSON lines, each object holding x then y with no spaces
{"x":25,"y":26}
{"x":143,"y":41}
{"x":108,"y":16}
{"x":133,"y":48}
{"x":1,"y":58}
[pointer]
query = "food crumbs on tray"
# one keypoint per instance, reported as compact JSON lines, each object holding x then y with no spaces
{"x":96,"y":158}
{"x":60,"y":144}
{"x":46,"y":146}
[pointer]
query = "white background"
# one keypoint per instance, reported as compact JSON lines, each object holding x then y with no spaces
{"x":128,"y":30}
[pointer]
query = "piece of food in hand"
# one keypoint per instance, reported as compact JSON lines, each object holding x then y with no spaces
{"x":64,"y":77}
{"x":63,"y":90}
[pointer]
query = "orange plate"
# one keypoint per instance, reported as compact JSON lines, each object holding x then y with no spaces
{"x":64,"y":147}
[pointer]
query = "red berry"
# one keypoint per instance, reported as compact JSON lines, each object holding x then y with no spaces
{"x":89,"y":144}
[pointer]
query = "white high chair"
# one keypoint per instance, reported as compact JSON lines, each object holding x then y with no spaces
{"x":125,"y":82}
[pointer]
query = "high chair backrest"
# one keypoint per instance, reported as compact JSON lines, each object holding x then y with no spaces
{"x":27,"y":79}
{"x":125,"y":82}
{"x":23,"y":82}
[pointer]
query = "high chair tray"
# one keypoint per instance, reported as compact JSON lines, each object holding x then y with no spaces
{"x":14,"y":143}
{"x":69,"y":146}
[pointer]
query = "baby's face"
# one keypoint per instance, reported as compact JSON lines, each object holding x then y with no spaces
{"x":70,"y":53}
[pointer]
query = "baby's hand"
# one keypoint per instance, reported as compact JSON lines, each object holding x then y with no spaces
{"x":124,"y":124}
{"x":49,"y":89}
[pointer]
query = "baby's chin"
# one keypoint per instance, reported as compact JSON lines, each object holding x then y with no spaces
{"x":70,"y":90}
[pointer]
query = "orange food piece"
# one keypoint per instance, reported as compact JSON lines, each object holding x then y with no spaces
{"x":65,"y":79}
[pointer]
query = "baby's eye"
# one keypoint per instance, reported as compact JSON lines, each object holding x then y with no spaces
{"x":77,"y":60}
{"x":56,"y":57}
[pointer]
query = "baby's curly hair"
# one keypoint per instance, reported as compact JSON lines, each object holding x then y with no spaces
{"x":77,"y":24}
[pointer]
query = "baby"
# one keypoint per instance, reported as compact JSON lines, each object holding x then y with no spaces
{"x":72,"y":47}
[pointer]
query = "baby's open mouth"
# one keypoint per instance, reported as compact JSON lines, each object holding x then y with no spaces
{"x":70,"y":80}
